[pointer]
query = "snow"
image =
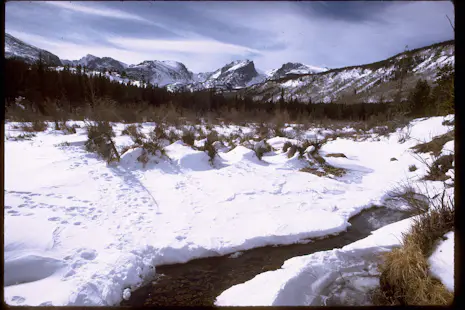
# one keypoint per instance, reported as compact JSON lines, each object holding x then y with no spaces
{"x":238,"y":64}
{"x":172,"y":209}
{"x":442,"y":261}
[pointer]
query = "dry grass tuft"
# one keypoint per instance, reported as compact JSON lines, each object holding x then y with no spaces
{"x":438,"y":169}
{"x":436,"y":145}
{"x":405,"y":278}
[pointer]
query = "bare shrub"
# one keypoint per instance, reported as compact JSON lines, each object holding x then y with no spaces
{"x":67,"y":130}
{"x":261,"y":148}
{"x":286,"y":146}
{"x":21,"y":137}
{"x":404,"y":135}
{"x":34,"y":126}
{"x":188,"y":136}
{"x":438,"y":169}
{"x":133,"y":132}
{"x":407,"y":195}
{"x":209,"y":147}
{"x":173,"y":136}
{"x":292,"y":150}
{"x":159,"y":132}
{"x":99,"y":140}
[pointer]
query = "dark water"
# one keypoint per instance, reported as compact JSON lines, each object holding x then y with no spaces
{"x":200,"y":281}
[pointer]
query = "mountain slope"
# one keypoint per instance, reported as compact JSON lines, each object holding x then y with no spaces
{"x":368,"y":83}
{"x":161,"y":73}
{"x":15,"y":48}
{"x":96,"y":63}
{"x":237,"y":74}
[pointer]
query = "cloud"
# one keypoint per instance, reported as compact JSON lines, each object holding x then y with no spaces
{"x":104,"y":12}
{"x":183,"y":46}
{"x":206,"y":35}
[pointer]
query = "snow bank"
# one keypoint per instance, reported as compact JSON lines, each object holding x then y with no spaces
{"x":442,"y":261}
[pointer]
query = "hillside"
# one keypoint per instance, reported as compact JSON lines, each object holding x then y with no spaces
{"x":15,"y":48}
{"x":371,"y":82}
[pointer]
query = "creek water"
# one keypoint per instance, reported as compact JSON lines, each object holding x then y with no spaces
{"x":200,"y":281}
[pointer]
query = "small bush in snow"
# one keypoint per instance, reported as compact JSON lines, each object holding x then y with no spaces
{"x":67,"y":130}
{"x":188,"y":137}
{"x":63,"y":144}
{"x":159,"y":132}
{"x":20,"y":137}
{"x":407,"y":195}
{"x":173,"y":136}
{"x":133,"y":132}
{"x":34,"y":126}
{"x":210,"y":149}
{"x":405,"y":134}
{"x":438,"y":169}
{"x":292,"y":150}
{"x":99,"y":140}
{"x":412,"y":168}
{"x":286,"y":146}
{"x":261,"y":148}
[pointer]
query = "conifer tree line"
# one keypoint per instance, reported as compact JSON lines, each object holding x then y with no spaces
{"x":74,"y":91}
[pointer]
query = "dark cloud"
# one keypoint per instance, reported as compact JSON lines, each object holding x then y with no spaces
{"x":352,"y":11}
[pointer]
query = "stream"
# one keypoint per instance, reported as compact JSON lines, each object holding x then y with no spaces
{"x":200,"y":281}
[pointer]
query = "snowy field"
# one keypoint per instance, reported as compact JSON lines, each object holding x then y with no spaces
{"x":80,"y":232}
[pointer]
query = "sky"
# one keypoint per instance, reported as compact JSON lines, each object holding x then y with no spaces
{"x":207,"y":35}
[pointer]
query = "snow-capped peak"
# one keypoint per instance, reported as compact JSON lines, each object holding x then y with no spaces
{"x":291,"y":68}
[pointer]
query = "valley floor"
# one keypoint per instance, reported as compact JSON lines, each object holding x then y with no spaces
{"x":81,"y":232}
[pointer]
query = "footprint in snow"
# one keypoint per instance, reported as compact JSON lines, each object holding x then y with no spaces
{"x":77,"y":223}
{"x":54,"y":219}
{"x":88,"y":254}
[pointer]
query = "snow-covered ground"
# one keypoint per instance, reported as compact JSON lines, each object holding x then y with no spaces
{"x":79,"y":232}
{"x":442,"y":261}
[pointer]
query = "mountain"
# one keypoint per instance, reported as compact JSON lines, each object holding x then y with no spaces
{"x":237,"y":74}
{"x":160,"y":73}
{"x":292,"y":68}
{"x":15,"y":48}
{"x":96,"y":63}
{"x":365,"y":83}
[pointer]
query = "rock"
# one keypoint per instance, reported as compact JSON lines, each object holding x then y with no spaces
{"x":393,"y":159}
